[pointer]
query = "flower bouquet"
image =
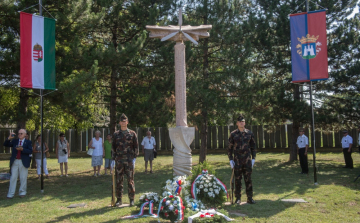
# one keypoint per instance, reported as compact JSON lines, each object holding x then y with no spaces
{"x":149,"y":196}
{"x":171,"y":208}
{"x":207,"y":188}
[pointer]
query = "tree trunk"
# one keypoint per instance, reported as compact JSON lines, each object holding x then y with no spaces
{"x":22,"y":112}
{"x":203,"y":137}
{"x":113,"y":87}
{"x":113,"y":101}
{"x":295,"y":128}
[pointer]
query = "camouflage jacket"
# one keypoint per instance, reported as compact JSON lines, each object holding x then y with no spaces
{"x":241,"y":145}
{"x":125,"y":146}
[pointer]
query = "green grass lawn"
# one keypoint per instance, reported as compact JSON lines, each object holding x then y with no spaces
{"x":335,"y":199}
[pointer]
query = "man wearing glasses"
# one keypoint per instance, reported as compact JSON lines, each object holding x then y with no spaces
{"x":19,"y":162}
{"x":302,"y":148}
{"x":346,"y":144}
{"x":148,"y":146}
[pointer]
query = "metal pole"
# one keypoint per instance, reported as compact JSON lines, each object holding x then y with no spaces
{"x":312,"y":120}
{"x":313,"y":134}
{"x":42,"y":124}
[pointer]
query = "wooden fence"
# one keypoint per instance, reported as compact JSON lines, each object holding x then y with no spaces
{"x":267,"y":137}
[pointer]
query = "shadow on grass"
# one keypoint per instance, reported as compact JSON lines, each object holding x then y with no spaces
{"x":262,"y":209}
{"x":82,"y":186}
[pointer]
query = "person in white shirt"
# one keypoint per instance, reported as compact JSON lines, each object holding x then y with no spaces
{"x":302,"y":147}
{"x":346,"y":144}
{"x":148,"y":146}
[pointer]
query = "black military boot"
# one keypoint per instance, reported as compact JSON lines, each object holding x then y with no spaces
{"x":250,"y":200}
{"x":132,"y":202}
{"x":118,"y":202}
{"x":238,"y":200}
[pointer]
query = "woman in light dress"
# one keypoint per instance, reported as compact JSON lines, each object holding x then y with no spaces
{"x":62,"y":153}
{"x":97,"y":157}
{"x":37,"y":155}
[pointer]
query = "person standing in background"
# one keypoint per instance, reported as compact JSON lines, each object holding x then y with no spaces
{"x":148,"y":146}
{"x":302,"y":148}
{"x":107,"y":146}
{"x":346,"y":144}
{"x":37,"y":155}
{"x":62,"y":153}
{"x":97,"y":157}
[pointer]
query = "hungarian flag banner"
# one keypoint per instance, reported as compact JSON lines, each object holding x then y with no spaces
{"x":309,"y":46}
{"x":37,"y":52}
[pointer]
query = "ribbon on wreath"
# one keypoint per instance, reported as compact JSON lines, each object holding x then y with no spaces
{"x":208,"y":214}
{"x":178,"y":189}
{"x":203,"y":172}
{"x":141,"y":213}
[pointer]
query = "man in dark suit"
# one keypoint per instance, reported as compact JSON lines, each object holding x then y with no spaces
{"x":19,"y":162}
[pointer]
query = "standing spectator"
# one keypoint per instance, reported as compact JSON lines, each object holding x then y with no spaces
{"x":37,"y":155}
{"x":62,"y":153}
{"x":97,"y":157}
{"x":346,"y":144}
{"x":302,"y":147}
{"x":107,"y":146}
{"x":148,"y":146}
{"x":19,"y":162}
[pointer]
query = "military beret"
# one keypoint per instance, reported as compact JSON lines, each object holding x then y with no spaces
{"x":344,"y":131}
{"x":241,"y":118}
{"x":123,"y":117}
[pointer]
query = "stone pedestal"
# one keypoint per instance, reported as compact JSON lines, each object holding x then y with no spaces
{"x":181,"y":137}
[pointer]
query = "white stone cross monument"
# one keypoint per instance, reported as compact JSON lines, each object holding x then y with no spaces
{"x":181,"y":136}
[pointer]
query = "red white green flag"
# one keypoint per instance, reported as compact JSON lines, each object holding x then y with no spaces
{"x":37,"y":52}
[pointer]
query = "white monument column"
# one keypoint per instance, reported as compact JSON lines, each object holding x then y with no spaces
{"x":180,"y":84}
{"x":181,"y":136}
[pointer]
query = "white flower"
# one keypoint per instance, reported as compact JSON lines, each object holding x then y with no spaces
{"x":171,"y":207}
{"x":189,"y":205}
{"x":206,"y":190}
{"x":216,"y":191}
{"x":196,"y":209}
{"x":207,"y":181}
{"x":210,"y":184}
{"x":198,"y":191}
{"x":201,"y":186}
{"x":211,"y":189}
{"x":167,"y":202}
{"x":175,"y":202}
{"x":206,"y":185}
{"x":168,"y":182}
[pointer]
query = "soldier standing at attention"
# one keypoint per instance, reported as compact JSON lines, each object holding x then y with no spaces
{"x":241,"y":153}
{"x":302,"y":147}
{"x":125,"y":150}
{"x":346,"y":144}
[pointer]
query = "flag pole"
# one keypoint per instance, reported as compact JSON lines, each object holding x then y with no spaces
{"x":312,"y":120}
{"x":42,"y":124}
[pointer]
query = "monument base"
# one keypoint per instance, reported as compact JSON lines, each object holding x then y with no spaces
{"x":181,"y":137}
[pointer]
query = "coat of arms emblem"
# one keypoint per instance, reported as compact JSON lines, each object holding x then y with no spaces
{"x":308,"y":47}
{"x":38,"y":53}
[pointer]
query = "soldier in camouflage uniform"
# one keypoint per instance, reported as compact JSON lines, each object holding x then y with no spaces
{"x":125,"y":150}
{"x":241,"y":153}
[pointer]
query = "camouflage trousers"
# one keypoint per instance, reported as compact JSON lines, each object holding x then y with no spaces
{"x":239,"y":171}
{"x":125,"y":168}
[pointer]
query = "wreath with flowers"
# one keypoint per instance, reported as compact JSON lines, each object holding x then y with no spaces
{"x":171,"y":208}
